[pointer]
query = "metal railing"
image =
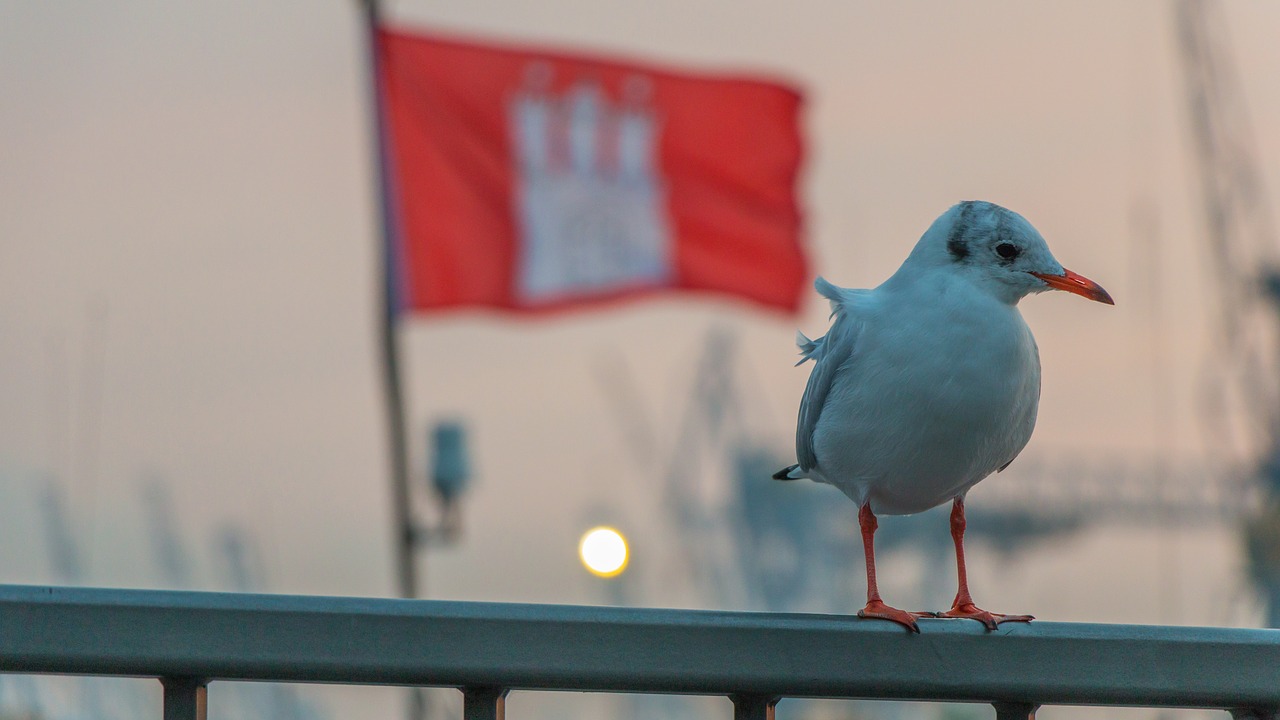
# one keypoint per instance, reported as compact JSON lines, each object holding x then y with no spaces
{"x":188,"y":639}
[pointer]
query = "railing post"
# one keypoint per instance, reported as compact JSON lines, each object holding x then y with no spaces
{"x":753,"y":707}
{"x":483,"y":703}
{"x":1015,"y":710}
{"x":184,"y":698}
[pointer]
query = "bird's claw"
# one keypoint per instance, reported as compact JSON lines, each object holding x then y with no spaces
{"x":878,"y":610}
{"x":989,"y":619}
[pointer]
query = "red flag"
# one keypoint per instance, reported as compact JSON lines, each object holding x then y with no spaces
{"x":531,"y":180}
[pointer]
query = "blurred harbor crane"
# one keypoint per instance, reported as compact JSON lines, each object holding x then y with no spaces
{"x":1242,"y":412}
{"x":170,"y":552}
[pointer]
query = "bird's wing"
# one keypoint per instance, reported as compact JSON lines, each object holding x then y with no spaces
{"x":829,"y":354}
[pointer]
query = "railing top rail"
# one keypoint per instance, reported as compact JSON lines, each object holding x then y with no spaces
{"x":219,"y":636}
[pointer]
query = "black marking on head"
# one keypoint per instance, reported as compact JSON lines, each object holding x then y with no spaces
{"x":1004,"y":236}
{"x":956,"y":243}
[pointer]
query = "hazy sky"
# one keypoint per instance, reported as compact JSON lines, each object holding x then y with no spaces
{"x":187,"y":267}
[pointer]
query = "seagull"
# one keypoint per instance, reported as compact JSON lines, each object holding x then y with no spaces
{"x":930,"y":382}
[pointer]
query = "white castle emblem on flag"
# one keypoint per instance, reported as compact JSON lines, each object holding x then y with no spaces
{"x":590,"y":200}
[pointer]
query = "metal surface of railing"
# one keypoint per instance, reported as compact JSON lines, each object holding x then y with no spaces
{"x":189,"y":639}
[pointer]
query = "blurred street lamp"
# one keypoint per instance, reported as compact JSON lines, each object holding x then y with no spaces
{"x":449,"y":470}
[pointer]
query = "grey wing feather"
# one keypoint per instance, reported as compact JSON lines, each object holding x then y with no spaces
{"x":829,"y":353}
{"x":807,"y":347}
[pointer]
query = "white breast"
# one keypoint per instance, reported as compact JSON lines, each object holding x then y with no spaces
{"x":940,"y":392}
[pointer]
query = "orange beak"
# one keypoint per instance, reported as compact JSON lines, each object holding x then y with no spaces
{"x":1078,"y":284}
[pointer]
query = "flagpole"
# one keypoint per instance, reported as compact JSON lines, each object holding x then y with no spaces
{"x":389,"y":344}
{"x":404,"y":540}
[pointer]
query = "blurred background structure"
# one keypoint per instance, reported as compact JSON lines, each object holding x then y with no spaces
{"x":188,"y":277}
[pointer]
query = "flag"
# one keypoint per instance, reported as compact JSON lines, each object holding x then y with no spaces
{"x":529,"y":180}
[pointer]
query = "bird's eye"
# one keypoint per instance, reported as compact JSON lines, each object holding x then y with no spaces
{"x":1008,"y":251}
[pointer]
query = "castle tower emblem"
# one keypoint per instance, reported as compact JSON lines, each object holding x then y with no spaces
{"x":590,"y":200}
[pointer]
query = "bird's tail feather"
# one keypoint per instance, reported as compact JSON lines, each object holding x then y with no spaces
{"x":791,"y":472}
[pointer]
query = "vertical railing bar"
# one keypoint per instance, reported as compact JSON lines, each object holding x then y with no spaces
{"x":483,"y":703}
{"x":1015,"y":710}
{"x":185,"y":698}
{"x":753,"y":707}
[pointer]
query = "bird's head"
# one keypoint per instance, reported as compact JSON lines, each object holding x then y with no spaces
{"x":998,"y":250}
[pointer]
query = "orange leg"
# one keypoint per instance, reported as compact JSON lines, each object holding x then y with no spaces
{"x":963,"y":606}
{"x":875,"y":606}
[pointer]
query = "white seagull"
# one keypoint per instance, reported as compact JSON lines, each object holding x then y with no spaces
{"x":929,"y":383}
